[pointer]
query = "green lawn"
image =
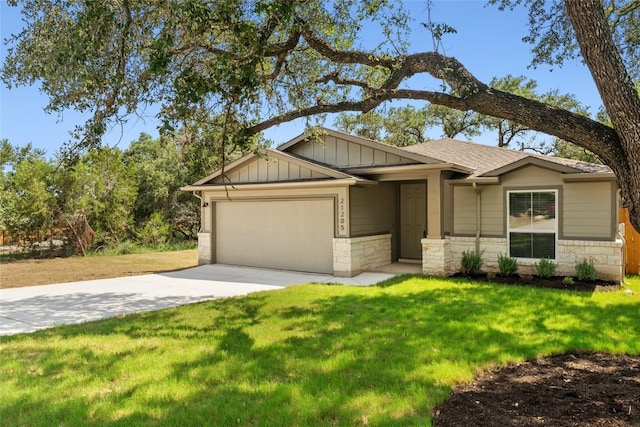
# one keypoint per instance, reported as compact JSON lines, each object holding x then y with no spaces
{"x":304,"y":355}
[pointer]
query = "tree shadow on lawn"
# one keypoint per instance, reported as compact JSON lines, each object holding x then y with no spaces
{"x":382,"y":356}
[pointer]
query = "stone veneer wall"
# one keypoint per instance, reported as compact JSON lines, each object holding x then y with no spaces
{"x":352,"y":256}
{"x":491,"y":246}
{"x":204,"y":248}
{"x":436,"y":257}
{"x":607,"y":257}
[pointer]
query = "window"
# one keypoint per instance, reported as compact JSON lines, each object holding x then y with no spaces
{"x":532,"y":224}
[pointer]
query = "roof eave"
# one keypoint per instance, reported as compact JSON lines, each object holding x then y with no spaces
{"x":589,"y":176}
{"x":380,"y":170}
{"x":278,"y":185}
{"x":481,"y":180}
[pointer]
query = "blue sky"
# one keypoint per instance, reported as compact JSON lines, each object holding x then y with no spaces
{"x":488,"y":42}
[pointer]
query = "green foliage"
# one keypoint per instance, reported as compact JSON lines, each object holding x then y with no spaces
{"x":155,"y":231}
{"x":402,"y":126}
{"x":552,"y":39}
{"x":159,"y":171}
{"x":545,"y":268}
{"x":517,"y":136}
{"x":585,"y":270}
{"x":123,"y":248}
{"x":471,"y":262}
{"x":27,"y":199}
{"x":507,"y":266}
{"x":567,"y":280}
{"x":101,"y":187}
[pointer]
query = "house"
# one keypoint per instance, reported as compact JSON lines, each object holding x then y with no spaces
{"x":342,"y":204}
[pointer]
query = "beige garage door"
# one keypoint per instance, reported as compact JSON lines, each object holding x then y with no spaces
{"x":289,"y":235}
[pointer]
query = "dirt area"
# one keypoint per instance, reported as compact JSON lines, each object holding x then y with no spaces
{"x":35,"y":272}
{"x":555,"y":282}
{"x":574,"y":389}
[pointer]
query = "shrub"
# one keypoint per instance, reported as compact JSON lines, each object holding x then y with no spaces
{"x":471,"y":262}
{"x":545,"y":268}
{"x":508,"y":266}
{"x":585,"y":270}
{"x":123,"y":248}
{"x":568,"y":280}
{"x":155,"y":230}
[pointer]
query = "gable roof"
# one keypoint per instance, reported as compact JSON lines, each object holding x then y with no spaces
{"x":489,"y":161}
{"x":308,"y":170}
{"x":406,"y":157}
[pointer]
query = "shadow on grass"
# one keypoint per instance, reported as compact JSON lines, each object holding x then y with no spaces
{"x":314,"y":355}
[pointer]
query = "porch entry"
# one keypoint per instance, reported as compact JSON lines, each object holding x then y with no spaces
{"x":413,"y":219}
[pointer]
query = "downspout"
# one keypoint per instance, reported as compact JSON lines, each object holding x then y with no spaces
{"x":477,"y":190}
{"x":201,"y":208}
{"x":620,"y":233}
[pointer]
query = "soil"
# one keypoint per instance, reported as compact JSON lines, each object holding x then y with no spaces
{"x":555,"y":282}
{"x":573,"y":389}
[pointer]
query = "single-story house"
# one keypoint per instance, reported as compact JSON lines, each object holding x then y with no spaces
{"x":342,"y":204}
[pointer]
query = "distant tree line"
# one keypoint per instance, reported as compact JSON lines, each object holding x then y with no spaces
{"x":106,"y":196}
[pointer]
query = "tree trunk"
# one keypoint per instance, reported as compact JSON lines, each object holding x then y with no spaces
{"x":618,"y":93}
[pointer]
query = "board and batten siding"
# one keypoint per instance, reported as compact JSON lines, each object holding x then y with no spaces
{"x":269,"y":170}
{"x":341,"y":153}
{"x":589,"y":210}
{"x":373,"y":211}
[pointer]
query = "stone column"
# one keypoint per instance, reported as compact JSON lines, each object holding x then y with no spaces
{"x":205,"y":254}
{"x":436,"y":257}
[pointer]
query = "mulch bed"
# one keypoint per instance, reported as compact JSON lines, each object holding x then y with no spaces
{"x":573,"y":389}
{"x":555,"y":282}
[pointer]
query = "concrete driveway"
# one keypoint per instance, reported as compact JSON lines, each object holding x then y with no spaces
{"x":37,"y":307}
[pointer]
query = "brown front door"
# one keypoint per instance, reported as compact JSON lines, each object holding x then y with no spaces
{"x":413,"y":219}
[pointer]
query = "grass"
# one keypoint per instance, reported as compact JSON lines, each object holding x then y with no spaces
{"x":316,"y":355}
{"x":34,"y":272}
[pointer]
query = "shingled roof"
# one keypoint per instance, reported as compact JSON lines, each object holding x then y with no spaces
{"x":485,"y":159}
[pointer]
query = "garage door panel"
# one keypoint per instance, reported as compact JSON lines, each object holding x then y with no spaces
{"x":290,"y":235}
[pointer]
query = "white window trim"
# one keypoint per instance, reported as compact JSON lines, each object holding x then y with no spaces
{"x":555,"y":230}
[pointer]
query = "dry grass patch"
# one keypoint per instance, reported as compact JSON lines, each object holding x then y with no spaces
{"x":60,"y":270}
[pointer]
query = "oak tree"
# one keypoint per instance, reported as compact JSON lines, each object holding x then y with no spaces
{"x":259,"y":63}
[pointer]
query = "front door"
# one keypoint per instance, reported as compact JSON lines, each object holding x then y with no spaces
{"x":413,"y":219}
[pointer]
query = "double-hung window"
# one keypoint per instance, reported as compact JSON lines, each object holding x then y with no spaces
{"x":532,"y":223}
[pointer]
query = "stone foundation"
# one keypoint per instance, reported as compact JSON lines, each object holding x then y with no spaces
{"x":204,"y":248}
{"x":352,"y":256}
{"x":491,"y":246}
{"x":606,"y":256}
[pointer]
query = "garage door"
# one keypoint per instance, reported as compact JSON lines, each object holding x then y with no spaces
{"x":289,"y":235}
